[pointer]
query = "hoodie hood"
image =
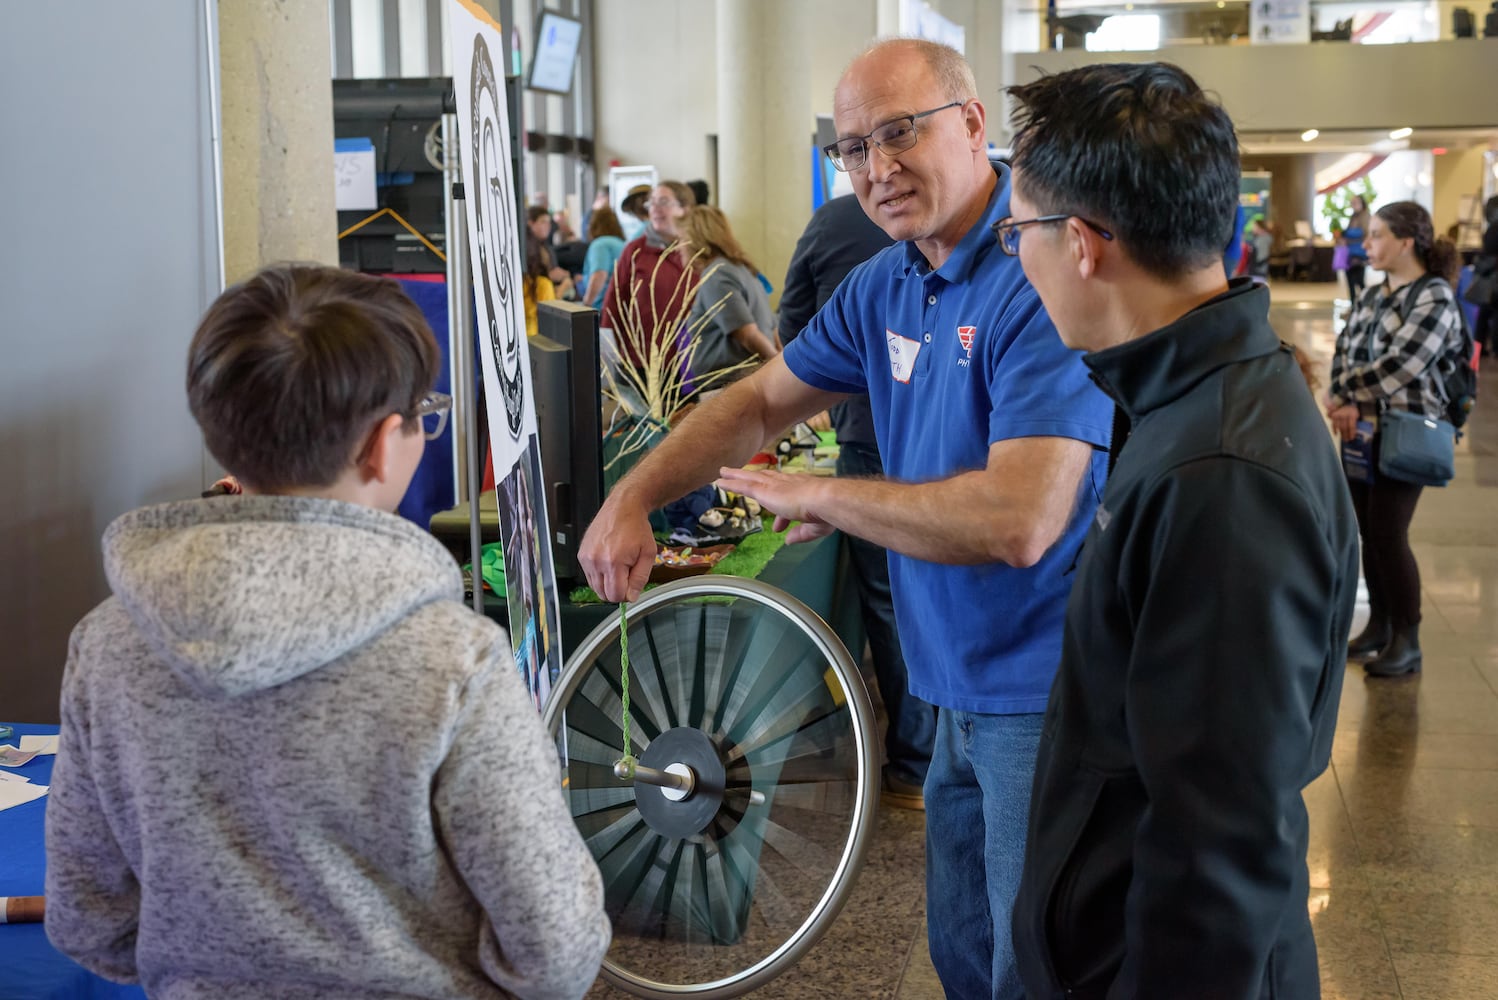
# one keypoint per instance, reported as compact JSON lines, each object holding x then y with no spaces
{"x":238,"y":594}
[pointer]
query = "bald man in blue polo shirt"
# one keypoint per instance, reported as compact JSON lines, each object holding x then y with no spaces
{"x":995,"y":451}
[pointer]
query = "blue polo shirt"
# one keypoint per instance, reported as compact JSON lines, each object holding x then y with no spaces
{"x":954,"y":360}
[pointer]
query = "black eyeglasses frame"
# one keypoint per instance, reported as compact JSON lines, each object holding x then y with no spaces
{"x":840,"y":162}
{"x":1009,"y":226}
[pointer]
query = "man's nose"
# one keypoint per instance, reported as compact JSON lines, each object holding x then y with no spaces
{"x":880,"y":164}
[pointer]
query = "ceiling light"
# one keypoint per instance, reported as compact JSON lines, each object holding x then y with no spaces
{"x":1401,"y":133}
{"x":1309,"y":134}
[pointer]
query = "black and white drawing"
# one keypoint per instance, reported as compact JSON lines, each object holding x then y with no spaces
{"x":493,"y":200}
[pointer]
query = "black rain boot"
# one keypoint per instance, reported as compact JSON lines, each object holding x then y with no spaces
{"x":1374,"y":637}
{"x":1400,"y":657}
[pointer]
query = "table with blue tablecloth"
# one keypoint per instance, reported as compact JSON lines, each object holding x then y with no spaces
{"x":30,"y":968}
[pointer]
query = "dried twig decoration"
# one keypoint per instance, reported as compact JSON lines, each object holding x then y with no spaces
{"x":652,"y":380}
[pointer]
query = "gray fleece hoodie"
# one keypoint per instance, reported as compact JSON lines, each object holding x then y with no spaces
{"x":294,"y":765}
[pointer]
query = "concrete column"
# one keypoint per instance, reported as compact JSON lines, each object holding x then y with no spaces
{"x":277,"y":101}
{"x":765,"y":126}
{"x":986,"y":42}
{"x":1292,"y":191}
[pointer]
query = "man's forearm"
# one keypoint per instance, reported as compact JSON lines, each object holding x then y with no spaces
{"x":958,"y":521}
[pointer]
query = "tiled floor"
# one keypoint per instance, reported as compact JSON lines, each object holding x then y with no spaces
{"x":1404,"y":826}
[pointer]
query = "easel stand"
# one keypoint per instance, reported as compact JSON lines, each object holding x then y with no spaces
{"x":468,"y":472}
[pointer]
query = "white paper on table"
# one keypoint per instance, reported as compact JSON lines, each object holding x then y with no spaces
{"x":41,"y":744}
{"x":13,"y":793}
{"x":7,"y":776}
{"x":14,"y":757}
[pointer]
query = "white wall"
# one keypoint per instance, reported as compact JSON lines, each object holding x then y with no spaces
{"x":657,"y":85}
{"x":1457,"y":173}
{"x":840,"y":30}
{"x":112,"y":254}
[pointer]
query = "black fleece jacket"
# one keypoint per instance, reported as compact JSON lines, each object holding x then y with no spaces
{"x":1202,"y":664}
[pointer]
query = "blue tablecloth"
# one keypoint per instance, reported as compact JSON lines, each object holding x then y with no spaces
{"x":30,"y":968}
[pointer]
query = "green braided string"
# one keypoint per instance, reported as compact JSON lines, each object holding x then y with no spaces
{"x":624,"y":674}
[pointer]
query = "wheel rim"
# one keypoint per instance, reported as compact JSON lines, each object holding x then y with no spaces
{"x":717,"y":894}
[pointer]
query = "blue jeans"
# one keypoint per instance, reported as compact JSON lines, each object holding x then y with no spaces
{"x":977,"y":811}
{"x":912,"y":722}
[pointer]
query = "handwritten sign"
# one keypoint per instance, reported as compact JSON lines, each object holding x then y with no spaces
{"x":354,"y":168}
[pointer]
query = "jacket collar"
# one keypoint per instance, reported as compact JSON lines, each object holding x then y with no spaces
{"x":1145,"y":374}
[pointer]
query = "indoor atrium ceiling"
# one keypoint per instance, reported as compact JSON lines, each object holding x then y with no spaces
{"x":1365,"y":141}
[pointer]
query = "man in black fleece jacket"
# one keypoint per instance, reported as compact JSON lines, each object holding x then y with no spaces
{"x":1205,"y":637}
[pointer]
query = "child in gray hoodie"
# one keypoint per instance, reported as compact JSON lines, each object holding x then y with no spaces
{"x":293,"y":764}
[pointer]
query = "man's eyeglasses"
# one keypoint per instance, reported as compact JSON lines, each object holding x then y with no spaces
{"x":663,"y":203}
{"x":1007,"y":229}
{"x":892,"y":137}
{"x":432,"y":411}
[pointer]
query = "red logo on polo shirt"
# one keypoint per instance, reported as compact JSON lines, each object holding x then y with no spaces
{"x":965,"y":336}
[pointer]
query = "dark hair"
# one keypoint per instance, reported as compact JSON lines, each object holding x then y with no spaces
{"x":538,"y":259}
{"x":699,"y":191}
{"x":603,"y":222}
{"x":1137,"y":148}
{"x":536,"y":212}
{"x":634,"y":201}
{"x":1407,"y":220}
{"x":288,"y":371}
{"x":1490,"y":210}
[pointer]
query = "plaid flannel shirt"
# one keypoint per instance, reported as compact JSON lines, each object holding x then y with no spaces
{"x":1383,"y":359}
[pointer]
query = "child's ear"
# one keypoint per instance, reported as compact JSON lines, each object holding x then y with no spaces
{"x":376,"y":460}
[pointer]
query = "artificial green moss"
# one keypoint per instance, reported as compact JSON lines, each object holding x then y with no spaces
{"x":748,"y":558}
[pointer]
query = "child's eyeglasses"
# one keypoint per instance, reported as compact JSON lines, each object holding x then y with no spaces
{"x":432,"y":411}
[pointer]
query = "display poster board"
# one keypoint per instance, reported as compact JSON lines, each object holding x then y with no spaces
{"x":1279,"y":22}
{"x":477,"y":58}
{"x":1253,"y":194}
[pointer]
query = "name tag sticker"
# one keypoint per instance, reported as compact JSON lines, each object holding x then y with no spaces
{"x":902,"y":352}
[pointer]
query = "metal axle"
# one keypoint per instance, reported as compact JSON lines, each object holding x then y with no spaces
{"x":676,"y":777}
{"x":678,"y":780}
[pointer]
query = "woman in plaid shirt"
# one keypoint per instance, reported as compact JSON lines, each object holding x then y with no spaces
{"x":1389,"y":356}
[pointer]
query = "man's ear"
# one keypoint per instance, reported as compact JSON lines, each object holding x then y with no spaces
{"x":376,"y":459}
{"x":1085,"y":246}
{"x":973,"y":120}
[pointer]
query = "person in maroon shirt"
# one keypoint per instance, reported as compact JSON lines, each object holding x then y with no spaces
{"x":651,"y":286}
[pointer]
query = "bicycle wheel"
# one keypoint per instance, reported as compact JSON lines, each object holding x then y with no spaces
{"x":743,"y":687}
